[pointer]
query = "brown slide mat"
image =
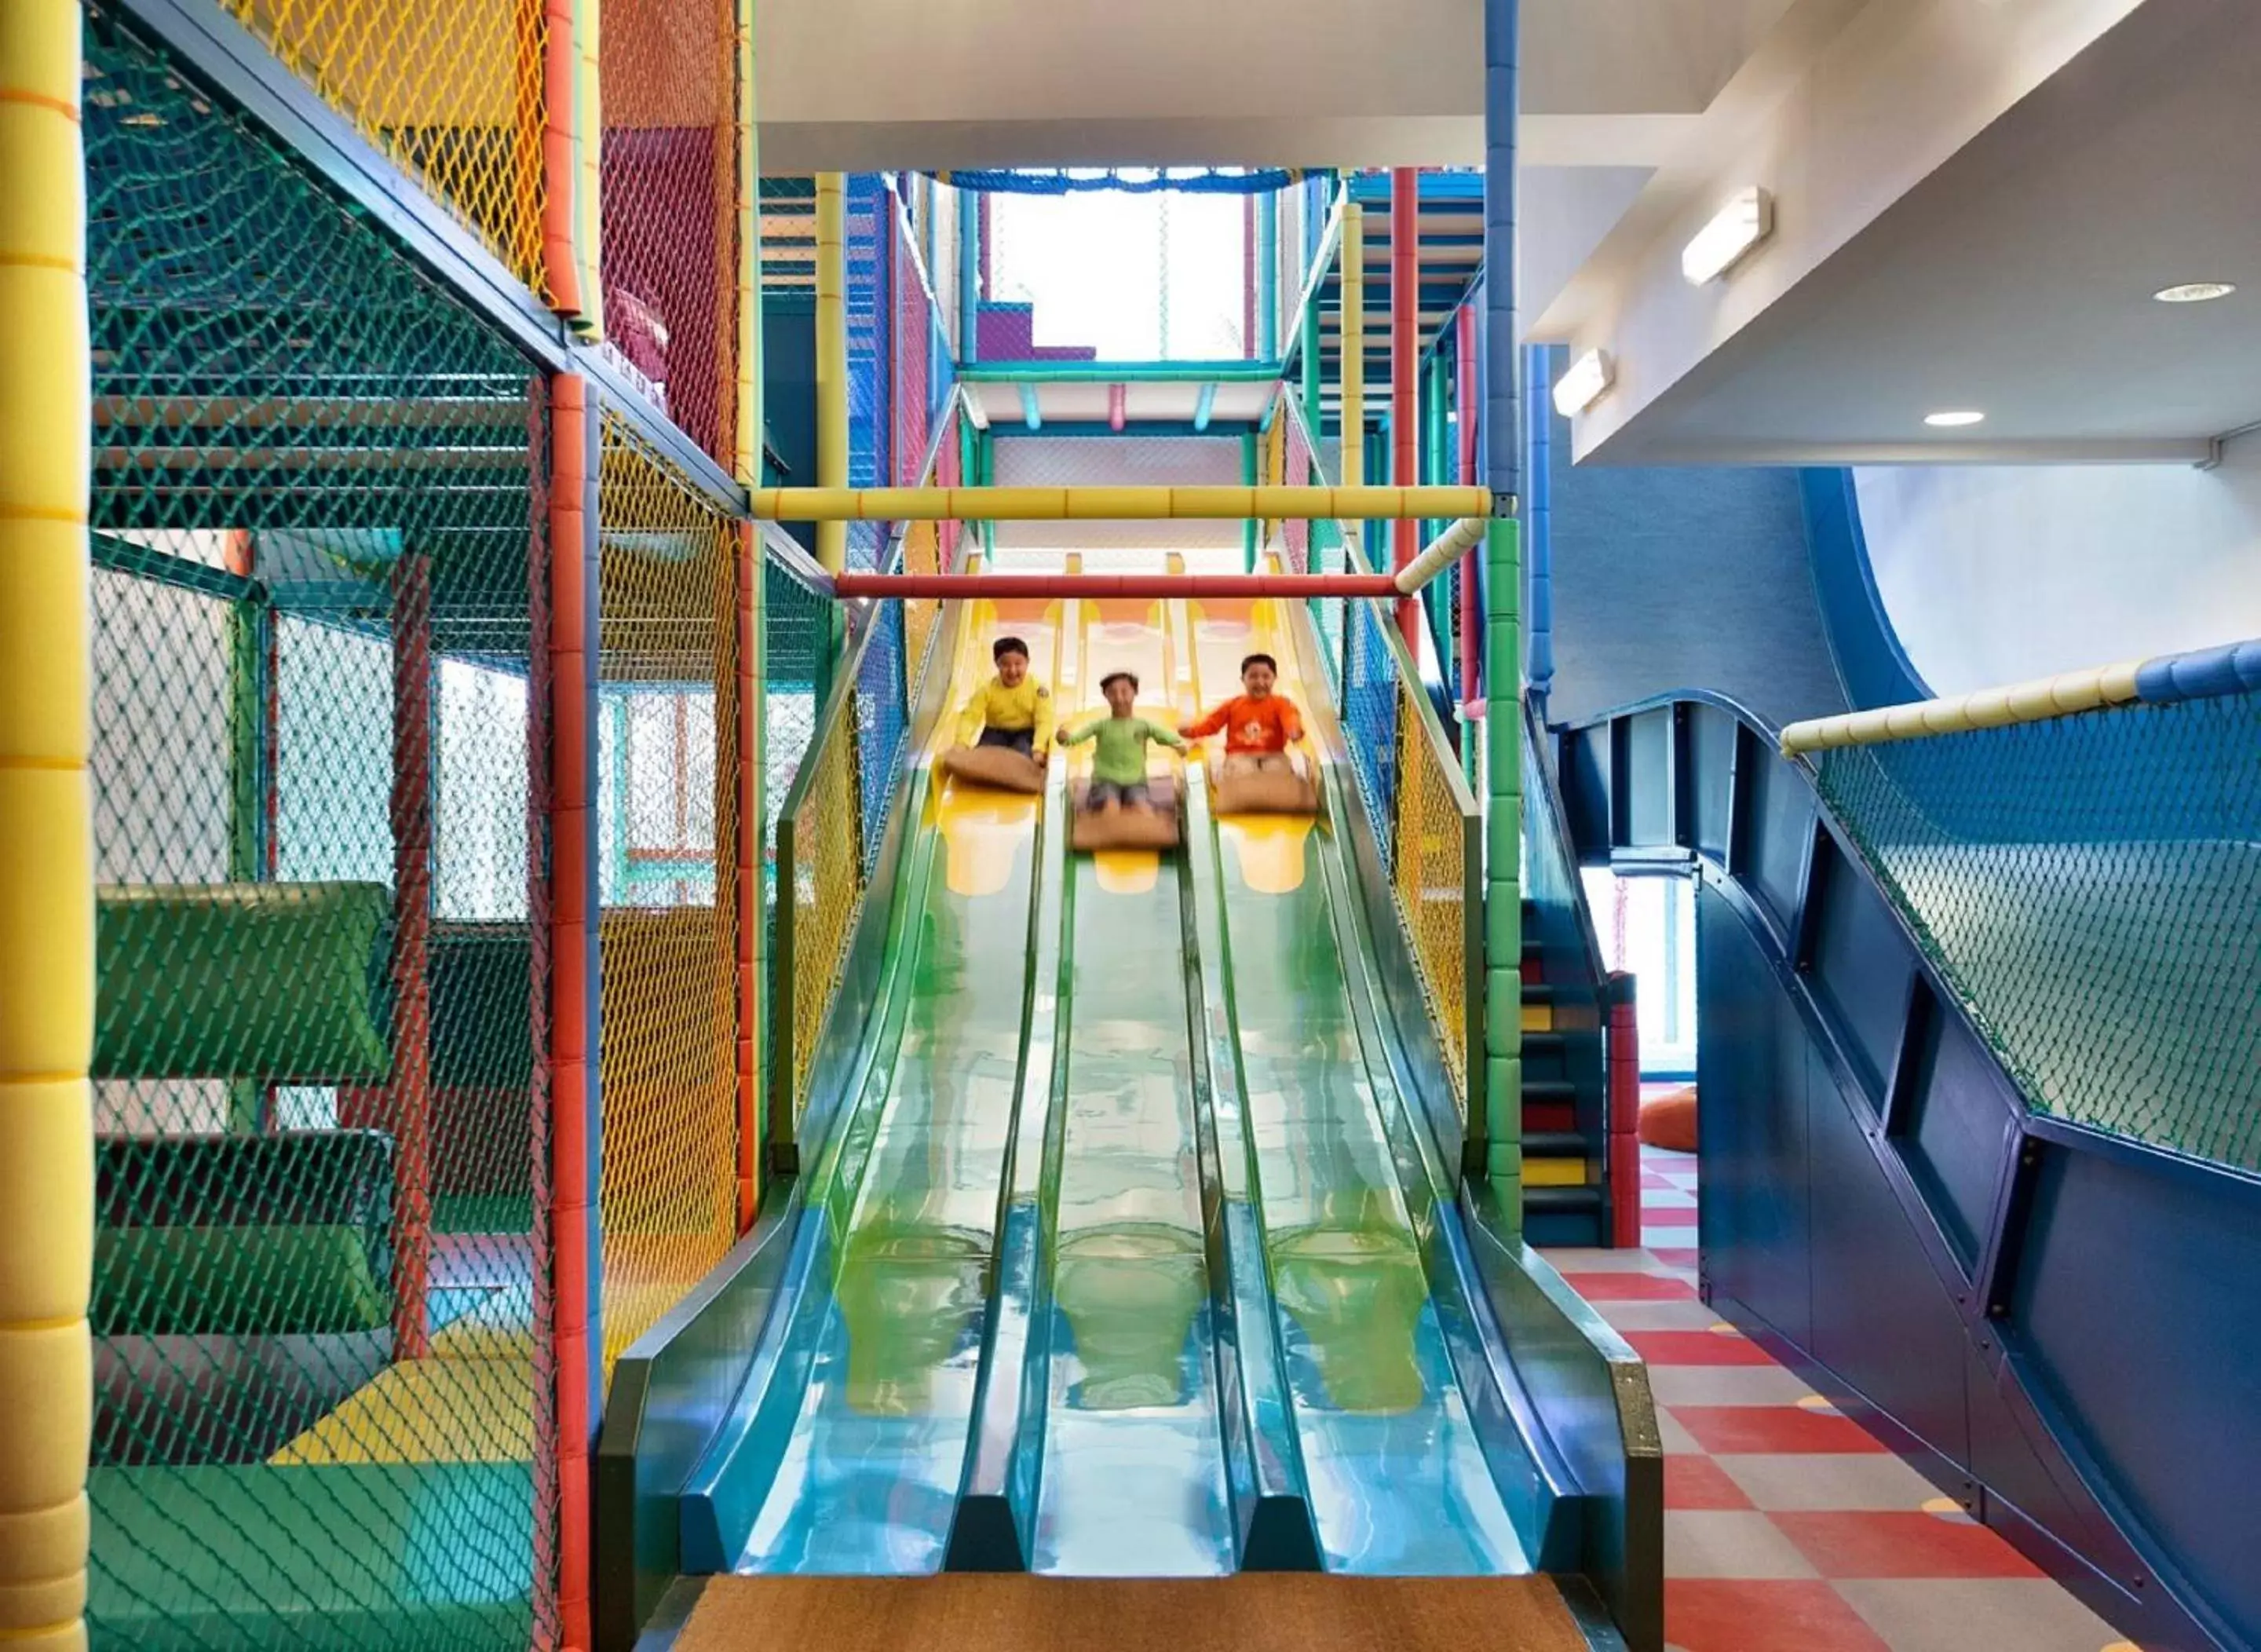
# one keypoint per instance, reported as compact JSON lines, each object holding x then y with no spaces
{"x":1253,"y":1612}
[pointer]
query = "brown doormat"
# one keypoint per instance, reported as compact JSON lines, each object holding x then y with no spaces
{"x":1253,"y":1612}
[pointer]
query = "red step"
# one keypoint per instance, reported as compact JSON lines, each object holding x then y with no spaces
{"x":1549,"y":1118}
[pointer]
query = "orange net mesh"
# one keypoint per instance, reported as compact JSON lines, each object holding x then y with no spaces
{"x":449,"y":89}
{"x":667,"y":793}
{"x":922,"y":554}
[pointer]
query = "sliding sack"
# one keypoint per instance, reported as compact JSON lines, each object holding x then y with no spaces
{"x":1154,"y":827}
{"x":1266,"y":791}
{"x":999,"y":766}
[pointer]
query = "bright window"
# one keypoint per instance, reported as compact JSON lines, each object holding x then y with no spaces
{"x":1647,"y":928}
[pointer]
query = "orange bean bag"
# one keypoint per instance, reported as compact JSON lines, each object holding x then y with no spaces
{"x":1669,"y":1120}
{"x":1005,"y":769}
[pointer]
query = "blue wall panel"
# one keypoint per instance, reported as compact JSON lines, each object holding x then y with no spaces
{"x":1884,"y":1320}
{"x":1750,"y":1070}
{"x":1961,"y":1126}
{"x":2061,"y":1327}
{"x":2104,"y":1326}
{"x":1859,"y":967}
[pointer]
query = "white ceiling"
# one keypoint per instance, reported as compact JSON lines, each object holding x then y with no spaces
{"x":2090,"y":151}
{"x":1975,"y":197}
{"x":871,"y":85}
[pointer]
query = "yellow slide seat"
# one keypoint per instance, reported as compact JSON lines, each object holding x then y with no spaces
{"x":1155,"y":827}
{"x":997,"y":766}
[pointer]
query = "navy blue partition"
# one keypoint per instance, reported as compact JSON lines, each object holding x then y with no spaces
{"x":2059,"y":1326}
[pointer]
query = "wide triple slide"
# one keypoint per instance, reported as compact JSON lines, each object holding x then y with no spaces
{"x":1126,"y":1249}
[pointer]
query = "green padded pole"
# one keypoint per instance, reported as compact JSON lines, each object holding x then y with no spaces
{"x":1307,"y":359}
{"x":1502,"y":862}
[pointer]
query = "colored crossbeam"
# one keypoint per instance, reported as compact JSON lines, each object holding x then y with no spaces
{"x":2201,"y":674}
{"x":1115,"y":504}
{"x":904,"y":586}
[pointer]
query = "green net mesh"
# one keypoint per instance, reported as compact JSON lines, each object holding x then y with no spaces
{"x":2087,"y":886}
{"x":321,"y":764}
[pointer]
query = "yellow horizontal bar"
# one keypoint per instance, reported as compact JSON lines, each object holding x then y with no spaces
{"x":2036,"y":702}
{"x":1114,"y":503}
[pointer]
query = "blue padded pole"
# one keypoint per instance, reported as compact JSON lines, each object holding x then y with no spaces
{"x":1501,"y":1145}
{"x":969,"y":276}
{"x":1538,"y":520}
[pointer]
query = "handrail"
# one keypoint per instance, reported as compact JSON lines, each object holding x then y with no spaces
{"x":2166,"y":679}
{"x":789,"y":554}
{"x":1322,"y":256}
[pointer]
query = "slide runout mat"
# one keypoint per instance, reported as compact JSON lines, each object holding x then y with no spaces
{"x":1252,"y":1611}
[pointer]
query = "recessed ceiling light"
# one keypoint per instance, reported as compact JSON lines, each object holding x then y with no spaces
{"x":1746,"y":219}
{"x":1583,"y":384}
{"x":2195,"y":292}
{"x":1954,"y":420}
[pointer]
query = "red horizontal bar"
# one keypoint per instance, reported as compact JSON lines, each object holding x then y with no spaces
{"x":912,"y":586}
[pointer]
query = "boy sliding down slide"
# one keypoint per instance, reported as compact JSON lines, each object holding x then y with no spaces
{"x":1011,"y":710}
{"x":1258,"y":725}
{"x":1118,"y":767}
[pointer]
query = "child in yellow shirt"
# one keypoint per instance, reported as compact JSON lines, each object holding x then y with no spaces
{"x":1012,"y":710}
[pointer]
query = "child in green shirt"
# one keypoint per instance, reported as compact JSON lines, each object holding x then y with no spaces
{"x":1118,"y":767}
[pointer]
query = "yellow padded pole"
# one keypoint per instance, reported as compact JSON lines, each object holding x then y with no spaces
{"x":46,"y":874}
{"x":831,"y":359}
{"x":1354,"y":345}
{"x":2034,"y":702}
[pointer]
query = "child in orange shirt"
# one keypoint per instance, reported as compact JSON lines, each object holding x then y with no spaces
{"x":1258,"y":725}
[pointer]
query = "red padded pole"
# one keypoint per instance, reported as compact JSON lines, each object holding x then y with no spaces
{"x":1624,"y":1113}
{"x":410,"y":1096}
{"x":902,"y":587}
{"x":572,"y":800}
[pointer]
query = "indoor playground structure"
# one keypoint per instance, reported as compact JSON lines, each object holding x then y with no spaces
{"x":545,"y":1104}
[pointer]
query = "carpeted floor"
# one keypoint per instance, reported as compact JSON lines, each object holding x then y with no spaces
{"x":1251,"y":1612}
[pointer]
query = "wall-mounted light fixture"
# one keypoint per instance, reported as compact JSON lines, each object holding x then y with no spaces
{"x":1746,"y":219}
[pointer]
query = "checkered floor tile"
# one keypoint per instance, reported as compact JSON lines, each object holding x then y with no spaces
{"x":1788,"y":1526}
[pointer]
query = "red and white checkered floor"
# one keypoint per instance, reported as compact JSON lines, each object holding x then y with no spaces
{"x":1788,"y":1527}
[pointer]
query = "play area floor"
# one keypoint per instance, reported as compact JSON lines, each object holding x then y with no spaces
{"x":1788,"y":1527}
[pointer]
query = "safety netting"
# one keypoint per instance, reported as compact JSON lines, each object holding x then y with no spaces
{"x":1126,"y":180}
{"x":2087,"y":887}
{"x":674,"y":149}
{"x":1038,"y":460}
{"x":832,"y":823}
{"x":449,"y":89}
{"x":668,"y":811}
{"x":322,"y":1281}
{"x":1411,"y":783}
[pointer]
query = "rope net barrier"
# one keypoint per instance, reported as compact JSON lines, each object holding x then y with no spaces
{"x":322,"y":1302}
{"x":2086,"y":886}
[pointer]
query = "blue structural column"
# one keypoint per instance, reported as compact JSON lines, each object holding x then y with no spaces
{"x":1503,"y":598}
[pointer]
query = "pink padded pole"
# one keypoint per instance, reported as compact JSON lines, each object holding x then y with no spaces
{"x":901,"y":587}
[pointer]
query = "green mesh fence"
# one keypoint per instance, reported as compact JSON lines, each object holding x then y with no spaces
{"x":2089,"y":887}
{"x":321,"y":1302}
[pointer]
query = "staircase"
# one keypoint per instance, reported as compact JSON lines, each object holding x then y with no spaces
{"x":1565,"y":1121}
